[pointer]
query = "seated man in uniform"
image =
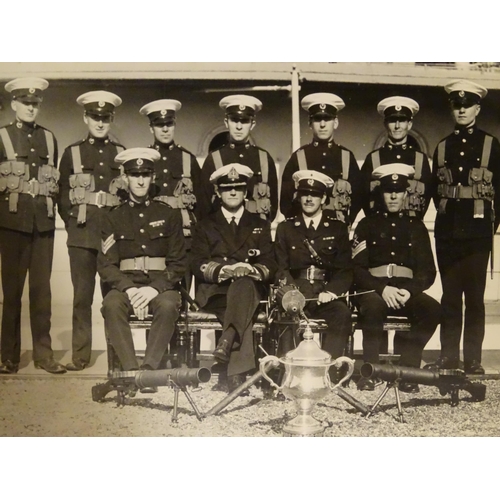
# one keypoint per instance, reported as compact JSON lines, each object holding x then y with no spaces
{"x":232,"y":259}
{"x":313,"y":252}
{"x":142,"y":259}
{"x":392,"y":255}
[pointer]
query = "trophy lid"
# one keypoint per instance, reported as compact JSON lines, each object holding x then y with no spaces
{"x":308,"y":353}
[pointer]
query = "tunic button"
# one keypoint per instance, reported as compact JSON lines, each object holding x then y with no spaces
{"x":394,"y":237}
{"x":33,"y":164}
{"x":143,"y":246}
{"x":165,"y":170}
{"x":324,"y":154}
{"x":164,"y":158}
{"x":101,"y":163}
{"x":393,"y":224}
{"x":241,"y":155}
{"x":461,"y":153}
{"x":32,"y":150}
{"x":161,"y":234}
{"x":460,"y":169}
{"x":464,"y":140}
{"x":101,"y":151}
{"x":165,"y":184}
{"x":121,"y":237}
{"x":323,"y":167}
{"x":101,"y":177}
{"x":141,"y":230}
{"x":293,"y":248}
{"x":225,"y":258}
{"x":141,"y":215}
{"x":29,"y":135}
{"x":392,"y":253}
{"x":398,"y":157}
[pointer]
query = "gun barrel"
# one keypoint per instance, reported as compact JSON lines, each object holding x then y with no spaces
{"x":179,"y":376}
{"x":391,"y":373}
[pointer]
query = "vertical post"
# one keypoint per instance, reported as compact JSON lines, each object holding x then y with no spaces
{"x":295,"y":109}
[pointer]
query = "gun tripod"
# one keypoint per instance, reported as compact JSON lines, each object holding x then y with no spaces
{"x":390,"y":385}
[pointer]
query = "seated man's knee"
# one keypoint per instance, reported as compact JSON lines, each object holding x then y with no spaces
{"x":115,"y":300}
{"x":373,"y":306}
{"x":168,"y":302}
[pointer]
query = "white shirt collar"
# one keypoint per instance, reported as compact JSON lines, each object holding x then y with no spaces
{"x":229,"y":215}
{"x":316,"y":219}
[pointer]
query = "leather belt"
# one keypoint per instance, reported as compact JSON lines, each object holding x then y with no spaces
{"x":391,"y":271}
{"x":102,"y":199}
{"x":311,"y":274}
{"x":457,"y":192}
{"x":143,"y":264}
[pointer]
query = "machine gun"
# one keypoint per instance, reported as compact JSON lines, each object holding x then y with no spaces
{"x":126,"y":383}
{"x":447,"y":381}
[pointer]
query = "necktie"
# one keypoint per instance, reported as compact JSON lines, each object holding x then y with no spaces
{"x":233,"y":225}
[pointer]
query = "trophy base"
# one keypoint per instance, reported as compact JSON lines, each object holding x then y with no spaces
{"x":303,"y":426}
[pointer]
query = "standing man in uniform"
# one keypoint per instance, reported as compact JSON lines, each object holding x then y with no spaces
{"x":313,"y":252}
{"x":392,"y":255}
{"x":87,"y":170}
{"x":327,"y":157}
{"x":177,"y":171}
{"x":466,"y":174}
{"x":233,"y":260}
{"x":398,"y":113}
{"x":263,"y":188}
{"x":28,"y":184}
{"x":142,"y":259}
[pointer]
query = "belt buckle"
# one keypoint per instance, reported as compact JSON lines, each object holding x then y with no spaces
{"x":98,"y":199}
{"x":31,"y":189}
{"x":310,"y":274}
{"x":390,"y":270}
{"x":139,"y":264}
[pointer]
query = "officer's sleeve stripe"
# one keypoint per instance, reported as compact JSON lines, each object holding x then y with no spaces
{"x":359,"y":248}
{"x":208,"y":271}
{"x":108,"y":243}
{"x":263,"y":270}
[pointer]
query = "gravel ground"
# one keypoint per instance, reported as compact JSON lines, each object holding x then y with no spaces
{"x":64,"y":407}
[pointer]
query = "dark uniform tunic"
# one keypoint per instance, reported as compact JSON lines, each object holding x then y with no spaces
{"x":95,"y":157}
{"x":324,"y":157}
{"x":171,"y":181}
{"x":407,"y":153}
{"x":27,"y":243}
{"x":330,"y":241}
{"x":129,"y":231}
{"x":234,"y":302}
{"x":245,"y":154}
{"x":464,"y":237}
{"x":394,"y":238}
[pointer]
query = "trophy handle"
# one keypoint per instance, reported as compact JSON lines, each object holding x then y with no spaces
{"x":338,"y":363}
{"x":265,"y":364}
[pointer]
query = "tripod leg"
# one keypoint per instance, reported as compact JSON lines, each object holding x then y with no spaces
{"x":398,"y":402}
{"x":384,"y":392}
{"x":176,"y":402}
{"x":190,"y":399}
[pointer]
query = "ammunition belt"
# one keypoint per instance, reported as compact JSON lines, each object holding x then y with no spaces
{"x":34,"y":188}
{"x":391,"y":271}
{"x":99,"y":199}
{"x":312,"y":273}
{"x":461,"y":192}
{"x":143,"y":264}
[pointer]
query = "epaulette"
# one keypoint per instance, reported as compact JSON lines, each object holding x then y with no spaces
{"x":115,"y":143}
{"x":77,"y":143}
{"x":182,"y":148}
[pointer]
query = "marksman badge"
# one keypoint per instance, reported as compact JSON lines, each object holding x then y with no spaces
{"x":140,"y":161}
{"x":233,"y":175}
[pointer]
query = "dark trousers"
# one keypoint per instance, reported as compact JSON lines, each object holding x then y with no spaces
{"x":235,"y":311}
{"x":423,"y":312}
{"x":463,"y":267}
{"x":83,"y":266}
{"x":116,"y":309}
{"x":20,"y":253}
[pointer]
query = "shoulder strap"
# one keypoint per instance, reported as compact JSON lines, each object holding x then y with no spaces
{"x":419,"y":161}
{"x":301,"y":158}
{"x":77,"y":159}
{"x":264,"y":165}
{"x":376,"y":159}
{"x":49,"y":139}
{"x":119,"y":148}
{"x":186,"y":164}
{"x":485,"y":157}
{"x":441,"y":152}
{"x":7,"y":142}
{"x":217,"y":159}
{"x":346,"y":157}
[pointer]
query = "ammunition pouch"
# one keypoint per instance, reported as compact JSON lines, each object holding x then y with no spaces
{"x":184,"y":194}
{"x":341,"y":195}
{"x":49,"y":176}
{"x":188,"y":218}
{"x":414,"y":201}
{"x":482,"y":187}
{"x":444,"y":175}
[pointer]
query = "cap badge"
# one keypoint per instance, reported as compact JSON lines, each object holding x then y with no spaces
{"x":310,"y":182}
{"x":461,"y":93}
{"x":233,"y":174}
{"x":398,"y":108}
{"x":140,"y":161}
{"x":101,"y":104}
{"x":322,"y":106}
{"x":163,"y":112}
{"x":31,"y":91}
{"x":241,"y":107}
{"x":394,"y":177}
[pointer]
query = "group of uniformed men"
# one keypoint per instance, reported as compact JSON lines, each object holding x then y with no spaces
{"x":146,"y":219}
